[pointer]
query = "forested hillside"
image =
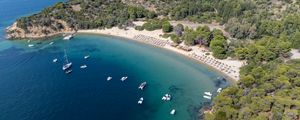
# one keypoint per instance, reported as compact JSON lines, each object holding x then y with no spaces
{"x":87,"y":14}
{"x":243,"y":19}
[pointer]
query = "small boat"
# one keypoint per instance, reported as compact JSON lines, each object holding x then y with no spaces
{"x":166,"y":97}
{"x":68,"y":71}
{"x":86,"y":57}
{"x":109,"y":78}
{"x":208,"y":93}
{"x":141,"y":100}
{"x":173,"y":111}
{"x":55,"y":60}
{"x":207,"y":97}
{"x":51,"y":43}
{"x":28,"y":41}
{"x":124,"y":78}
{"x":83,"y":66}
{"x":68,"y":37}
{"x":142,"y":86}
{"x":30,"y":45}
{"x":68,"y":64}
{"x":219,"y":90}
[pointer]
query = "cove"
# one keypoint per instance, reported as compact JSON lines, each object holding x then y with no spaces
{"x":35,"y":88}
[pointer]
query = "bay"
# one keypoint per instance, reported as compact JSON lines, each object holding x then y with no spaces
{"x":32,"y":87}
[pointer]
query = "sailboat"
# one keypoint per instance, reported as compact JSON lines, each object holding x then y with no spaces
{"x":68,"y":64}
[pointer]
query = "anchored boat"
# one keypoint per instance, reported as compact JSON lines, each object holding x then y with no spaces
{"x":141,"y":100}
{"x":207,"y":97}
{"x":124,"y":78}
{"x":86,"y":57}
{"x":83,"y":66}
{"x":166,"y":97}
{"x":55,"y":60}
{"x":142,"y":86}
{"x":219,"y":90}
{"x":173,"y":112}
{"x":68,"y":37}
{"x":208,"y":93}
{"x":109,"y":78}
{"x":30,"y":45}
{"x":68,"y":64}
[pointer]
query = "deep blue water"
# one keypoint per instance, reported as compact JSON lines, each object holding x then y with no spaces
{"x":34,"y":88}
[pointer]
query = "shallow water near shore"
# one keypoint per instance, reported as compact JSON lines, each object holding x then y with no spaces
{"x":34,"y":88}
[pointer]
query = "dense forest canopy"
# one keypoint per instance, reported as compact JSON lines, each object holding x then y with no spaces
{"x":87,"y":14}
{"x":262,"y":32}
{"x":268,"y":87}
{"x":243,"y":19}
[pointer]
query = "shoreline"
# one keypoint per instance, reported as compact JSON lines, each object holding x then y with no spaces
{"x":153,"y":38}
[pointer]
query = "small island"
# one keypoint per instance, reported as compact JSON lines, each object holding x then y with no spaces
{"x":255,"y":43}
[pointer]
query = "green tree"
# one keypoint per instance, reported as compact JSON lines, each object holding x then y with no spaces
{"x":218,"y":45}
{"x":166,"y":27}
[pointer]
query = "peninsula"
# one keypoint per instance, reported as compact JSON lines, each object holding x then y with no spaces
{"x":249,"y":41}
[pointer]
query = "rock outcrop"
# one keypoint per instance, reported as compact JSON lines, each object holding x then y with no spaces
{"x":38,"y":31}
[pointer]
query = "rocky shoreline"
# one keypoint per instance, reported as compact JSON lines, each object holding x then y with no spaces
{"x":36,"y":32}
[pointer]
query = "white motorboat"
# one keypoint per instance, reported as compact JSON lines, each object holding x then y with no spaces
{"x":86,"y":57}
{"x":142,"y":86}
{"x":68,"y":37}
{"x":124,"y":78}
{"x":141,"y":100}
{"x":173,"y":111}
{"x":207,"y":97}
{"x":68,"y":71}
{"x":109,"y":78}
{"x":30,"y":45}
{"x":208,"y":93}
{"x":166,"y":97}
{"x":83,"y":66}
{"x":219,"y":90}
{"x":51,"y":43}
{"x":55,"y":60}
{"x":68,"y":64}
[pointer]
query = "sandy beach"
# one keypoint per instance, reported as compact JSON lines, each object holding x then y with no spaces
{"x":228,"y":67}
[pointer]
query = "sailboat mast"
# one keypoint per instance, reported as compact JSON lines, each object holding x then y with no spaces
{"x":66,"y":56}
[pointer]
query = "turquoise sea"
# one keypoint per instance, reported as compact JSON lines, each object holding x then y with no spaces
{"x":34,"y":88}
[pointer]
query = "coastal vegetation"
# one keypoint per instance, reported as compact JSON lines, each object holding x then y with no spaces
{"x":262,"y":32}
{"x":86,"y":14}
{"x":215,"y":40}
{"x":268,"y":85}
